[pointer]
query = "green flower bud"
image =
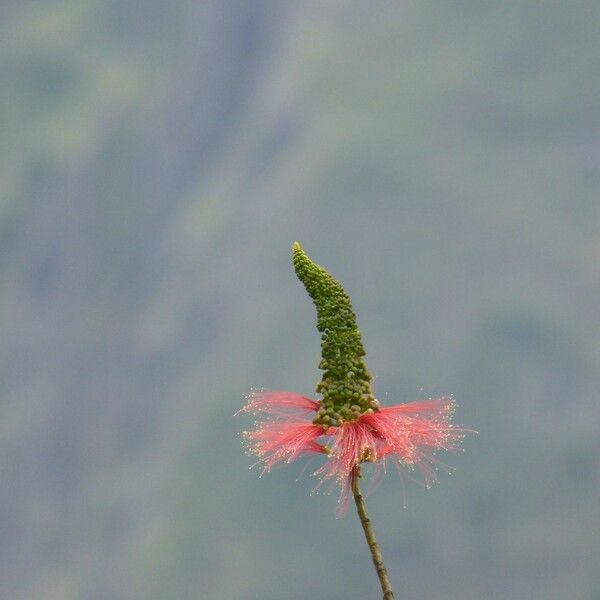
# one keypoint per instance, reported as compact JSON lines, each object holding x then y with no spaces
{"x":345,"y":375}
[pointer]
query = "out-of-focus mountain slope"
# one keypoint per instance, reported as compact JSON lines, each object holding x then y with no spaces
{"x":114,"y":114}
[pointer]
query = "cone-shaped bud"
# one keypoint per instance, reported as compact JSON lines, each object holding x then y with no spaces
{"x":346,"y":381}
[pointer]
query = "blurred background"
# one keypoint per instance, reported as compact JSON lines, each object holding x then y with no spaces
{"x":158,"y":159}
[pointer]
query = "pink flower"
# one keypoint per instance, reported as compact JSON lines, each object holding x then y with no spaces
{"x":408,"y":434}
{"x":281,"y":435}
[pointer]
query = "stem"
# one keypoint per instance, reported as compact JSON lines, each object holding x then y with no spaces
{"x":386,"y":586}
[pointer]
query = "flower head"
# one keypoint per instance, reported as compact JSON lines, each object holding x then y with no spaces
{"x":281,"y":434}
{"x":407,"y":434}
{"x":347,"y":424}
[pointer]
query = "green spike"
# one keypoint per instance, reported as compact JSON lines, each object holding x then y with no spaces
{"x":346,"y":381}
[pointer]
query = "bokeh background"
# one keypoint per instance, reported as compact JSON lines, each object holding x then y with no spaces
{"x":158,"y":159}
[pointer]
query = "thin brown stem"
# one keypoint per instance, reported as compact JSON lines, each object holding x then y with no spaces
{"x":386,"y":586}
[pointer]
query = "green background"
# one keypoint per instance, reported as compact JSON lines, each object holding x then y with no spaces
{"x":442,"y":159}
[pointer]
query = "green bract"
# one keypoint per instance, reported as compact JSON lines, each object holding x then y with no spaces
{"x":346,"y":381}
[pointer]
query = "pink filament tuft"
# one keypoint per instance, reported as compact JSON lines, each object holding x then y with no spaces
{"x":283,"y":441}
{"x":352,"y":442}
{"x":278,"y":403}
{"x":408,"y":434}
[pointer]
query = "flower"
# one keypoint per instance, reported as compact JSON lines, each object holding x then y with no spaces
{"x":408,"y":434}
{"x":282,"y":436}
{"x":347,"y":424}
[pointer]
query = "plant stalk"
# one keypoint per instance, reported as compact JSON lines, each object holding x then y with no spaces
{"x":386,"y":586}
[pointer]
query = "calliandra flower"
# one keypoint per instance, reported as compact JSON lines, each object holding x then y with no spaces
{"x":280,"y":435}
{"x":347,"y":424}
{"x":407,"y":434}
